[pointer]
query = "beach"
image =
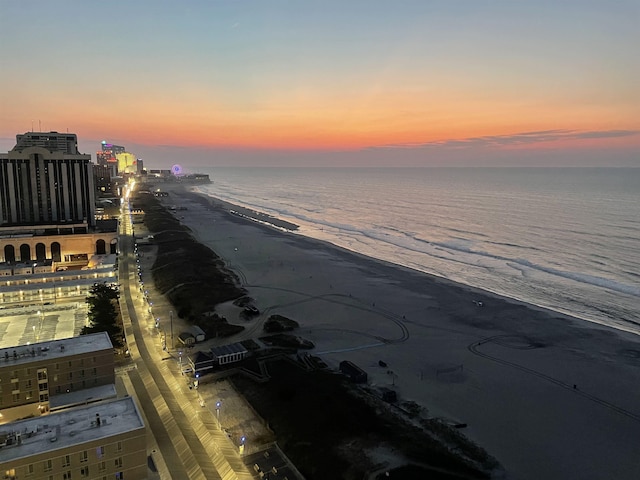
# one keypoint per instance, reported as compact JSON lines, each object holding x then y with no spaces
{"x":548,"y":395}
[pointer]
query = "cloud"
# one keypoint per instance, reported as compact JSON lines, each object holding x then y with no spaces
{"x":517,"y":139}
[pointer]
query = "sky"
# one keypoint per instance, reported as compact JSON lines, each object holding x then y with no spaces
{"x":326,"y":82}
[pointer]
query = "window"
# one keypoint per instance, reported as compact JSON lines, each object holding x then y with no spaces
{"x":119,"y":447}
{"x":66,"y":461}
{"x":44,"y":397}
{"x":84,"y":472}
{"x":118,"y":462}
{"x":102,"y":466}
{"x":48,"y":465}
{"x":16,"y":397}
{"x":84,"y":457}
{"x":29,"y":395}
{"x":119,"y":476}
{"x":66,"y":475}
{"x":43,"y":386}
{"x":99,"y":452}
{"x":95,"y":371}
{"x":27,"y":384}
{"x":30,"y":469}
{"x":70,"y":375}
{"x":55,"y":377}
{"x":42,"y":374}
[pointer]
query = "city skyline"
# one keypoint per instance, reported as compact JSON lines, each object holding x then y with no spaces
{"x":337,"y":84}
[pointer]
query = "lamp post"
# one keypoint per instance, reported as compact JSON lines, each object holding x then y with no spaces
{"x":218,"y":404}
{"x":243,"y":440}
{"x":171,"y":324}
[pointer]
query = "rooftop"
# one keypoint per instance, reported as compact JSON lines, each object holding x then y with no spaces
{"x":67,"y":428}
{"x":228,"y":349}
{"x":84,"y":396}
{"x":55,"y":349}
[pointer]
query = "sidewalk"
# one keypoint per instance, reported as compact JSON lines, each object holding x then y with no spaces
{"x":200,"y":446}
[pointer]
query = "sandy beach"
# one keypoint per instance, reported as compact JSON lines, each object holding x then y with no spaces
{"x":550,"y":396}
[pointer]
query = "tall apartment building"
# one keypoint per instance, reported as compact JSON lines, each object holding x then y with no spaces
{"x":48,"y":205}
{"x":44,"y":180}
{"x":31,"y":374}
{"x":103,"y":441}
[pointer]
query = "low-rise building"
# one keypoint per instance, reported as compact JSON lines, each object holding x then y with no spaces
{"x":103,"y":441}
{"x":30,"y":374}
{"x":224,"y":354}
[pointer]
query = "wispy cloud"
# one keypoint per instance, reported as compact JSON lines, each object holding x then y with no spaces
{"x":517,"y":139}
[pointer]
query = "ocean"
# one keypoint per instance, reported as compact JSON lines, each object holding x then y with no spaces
{"x":567,"y":239}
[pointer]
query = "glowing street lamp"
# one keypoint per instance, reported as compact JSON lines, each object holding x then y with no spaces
{"x":218,"y":404}
{"x":243,"y":440}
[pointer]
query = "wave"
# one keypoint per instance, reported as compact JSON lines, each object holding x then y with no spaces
{"x":565,"y":250}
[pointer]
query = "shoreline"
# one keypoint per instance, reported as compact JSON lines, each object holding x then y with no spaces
{"x":506,"y":369}
{"x":283,"y":226}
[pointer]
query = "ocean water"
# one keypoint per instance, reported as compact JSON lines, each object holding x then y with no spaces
{"x":565,"y":239}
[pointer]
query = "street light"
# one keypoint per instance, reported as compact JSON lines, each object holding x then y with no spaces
{"x":243,"y":439}
{"x":171,"y":323}
{"x":218,"y":404}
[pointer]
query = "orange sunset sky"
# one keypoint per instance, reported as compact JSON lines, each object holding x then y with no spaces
{"x":414,"y":83}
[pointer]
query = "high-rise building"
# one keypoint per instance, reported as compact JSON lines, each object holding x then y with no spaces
{"x":44,"y":180}
{"x":48,"y":206}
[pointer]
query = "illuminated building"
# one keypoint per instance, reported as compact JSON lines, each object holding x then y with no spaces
{"x":127,"y":163}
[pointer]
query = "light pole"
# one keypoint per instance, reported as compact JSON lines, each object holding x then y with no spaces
{"x":35,"y":339}
{"x":243,"y":440}
{"x":180,"y":355}
{"x":171,"y":325}
{"x":218,"y":411}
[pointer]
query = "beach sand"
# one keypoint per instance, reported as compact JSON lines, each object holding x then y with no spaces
{"x":550,"y":396}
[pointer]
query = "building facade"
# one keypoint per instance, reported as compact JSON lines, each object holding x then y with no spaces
{"x":30,"y":374}
{"x":104,"y":441}
{"x":44,"y":180}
